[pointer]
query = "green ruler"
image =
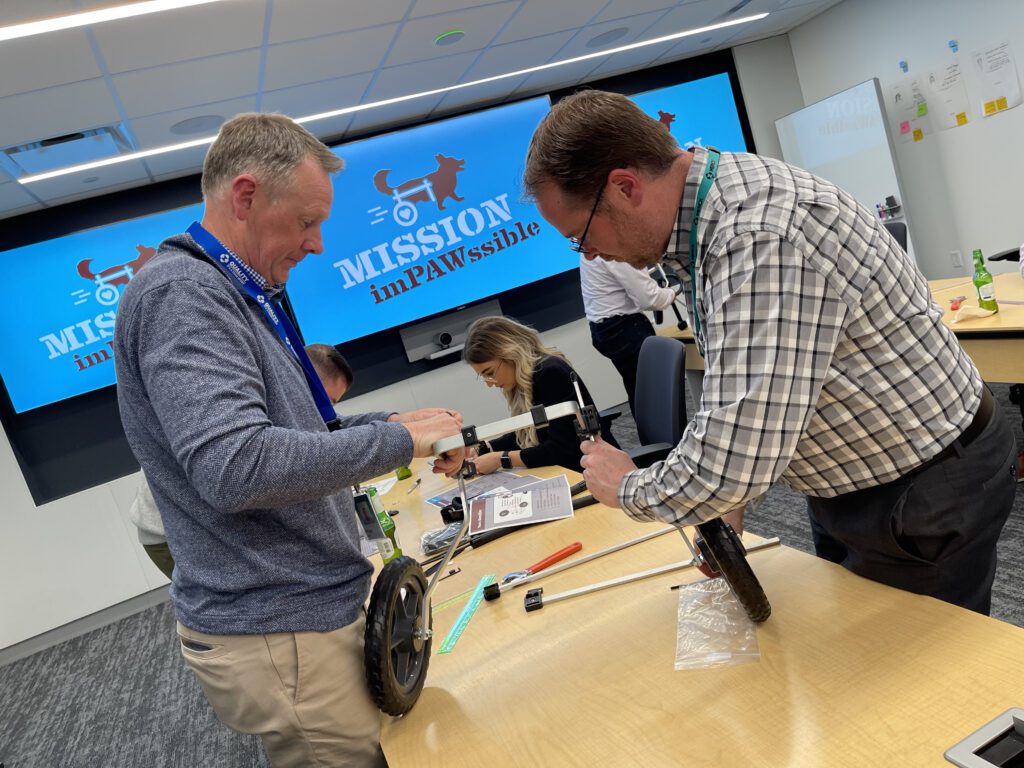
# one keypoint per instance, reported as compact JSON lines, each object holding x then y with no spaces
{"x":467,"y":613}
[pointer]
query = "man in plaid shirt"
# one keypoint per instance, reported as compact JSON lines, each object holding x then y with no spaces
{"x":827,"y":364}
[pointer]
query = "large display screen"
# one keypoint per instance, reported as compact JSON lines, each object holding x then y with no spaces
{"x":62,"y":302}
{"x":698,"y":113}
{"x":425,"y":220}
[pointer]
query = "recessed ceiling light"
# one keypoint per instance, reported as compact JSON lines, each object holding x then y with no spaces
{"x":606,"y":38}
{"x":197,"y":124}
{"x":450,"y":37}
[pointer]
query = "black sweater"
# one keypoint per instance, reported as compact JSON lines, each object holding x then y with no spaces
{"x":557,"y":444}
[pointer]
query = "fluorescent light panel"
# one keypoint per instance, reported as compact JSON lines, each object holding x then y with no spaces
{"x":397,"y":99}
{"x":71,"y":21}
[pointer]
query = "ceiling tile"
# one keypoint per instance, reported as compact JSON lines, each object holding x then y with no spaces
{"x":180,"y":163}
{"x":618,"y":9}
{"x":636,"y":30}
{"x":393,"y":115}
{"x":155,"y":130}
{"x":56,"y":111}
{"x":304,"y":100}
{"x":627,"y":61}
{"x":63,"y":189}
{"x":43,"y":61}
{"x":419,"y":77}
{"x":501,"y":59}
{"x":558,"y":77}
{"x":699,"y":14}
{"x":431,"y":7}
{"x":186,"y":33}
{"x":296,"y":19}
{"x":176,"y":86}
{"x":22,"y":11}
{"x":549,"y":17}
{"x":11,"y":213}
{"x":416,"y":40}
{"x":326,"y":58}
{"x":13,"y":195}
{"x":481,"y":96}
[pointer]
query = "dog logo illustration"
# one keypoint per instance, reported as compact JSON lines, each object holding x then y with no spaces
{"x":666,"y":119}
{"x":437,"y":186}
{"x":107,"y":281}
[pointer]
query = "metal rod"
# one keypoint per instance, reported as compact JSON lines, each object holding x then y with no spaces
{"x":548,"y":599}
{"x":580,"y":561}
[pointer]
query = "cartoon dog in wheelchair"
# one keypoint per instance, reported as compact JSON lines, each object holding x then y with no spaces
{"x":436,"y":186}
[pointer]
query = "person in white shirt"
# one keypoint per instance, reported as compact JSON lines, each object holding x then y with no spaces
{"x":615,"y":296}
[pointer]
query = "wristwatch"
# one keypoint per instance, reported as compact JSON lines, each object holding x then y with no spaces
{"x":506,"y":461}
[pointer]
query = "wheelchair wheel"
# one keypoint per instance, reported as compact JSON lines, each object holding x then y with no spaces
{"x":396,"y":659}
{"x":724,"y":552}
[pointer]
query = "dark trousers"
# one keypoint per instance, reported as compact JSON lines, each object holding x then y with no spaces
{"x":619,"y":339}
{"x":933,"y":531}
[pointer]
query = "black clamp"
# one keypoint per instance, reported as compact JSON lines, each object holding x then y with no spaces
{"x":589,"y":423}
{"x":469,"y":437}
{"x":534,"y":600}
{"x":539,"y":415}
{"x":492,"y":591}
{"x":452,"y":513}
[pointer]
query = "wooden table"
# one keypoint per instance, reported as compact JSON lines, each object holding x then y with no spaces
{"x":995,"y":344}
{"x":851,"y":672}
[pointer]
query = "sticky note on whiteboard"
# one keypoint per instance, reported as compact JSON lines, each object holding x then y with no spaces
{"x":961,"y":118}
{"x":918,"y":134}
{"x":905,"y":127}
{"x":922,"y":108}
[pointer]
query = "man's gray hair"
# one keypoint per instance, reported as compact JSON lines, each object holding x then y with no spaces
{"x":269,"y":146}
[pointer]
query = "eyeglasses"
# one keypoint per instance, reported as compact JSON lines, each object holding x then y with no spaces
{"x":488,"y":376}
{"x":576,"y":244}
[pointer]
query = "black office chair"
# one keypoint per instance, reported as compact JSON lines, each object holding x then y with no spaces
{"x":660,"y":399}
{"x":898,"y":230}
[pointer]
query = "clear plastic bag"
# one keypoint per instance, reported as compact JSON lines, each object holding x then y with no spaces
{"x":432,"y":542}
{"x":713,"y":630}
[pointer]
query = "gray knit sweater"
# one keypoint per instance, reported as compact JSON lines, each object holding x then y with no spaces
{"x":253,"y":489}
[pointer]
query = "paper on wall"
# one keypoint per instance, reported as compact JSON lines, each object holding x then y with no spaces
{"x":908,"y":109}
{"x":949,"y":105}
{"x":1000,"y":88}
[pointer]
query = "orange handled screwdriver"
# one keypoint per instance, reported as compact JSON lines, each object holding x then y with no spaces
{"x":547,"y":562}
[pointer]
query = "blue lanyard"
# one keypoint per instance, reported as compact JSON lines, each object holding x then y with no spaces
{"x":710,"y":169}
{"x":232,"y":266}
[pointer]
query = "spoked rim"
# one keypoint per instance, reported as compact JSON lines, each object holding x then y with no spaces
{"x":406,"y":647}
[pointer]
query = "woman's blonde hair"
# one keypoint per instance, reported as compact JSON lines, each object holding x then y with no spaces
{"x":505,"y":340}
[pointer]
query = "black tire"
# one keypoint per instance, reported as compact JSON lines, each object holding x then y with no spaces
{"x":724,"y":552}
{"x":396,"y":660}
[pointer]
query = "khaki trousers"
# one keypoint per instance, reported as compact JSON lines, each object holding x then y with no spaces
{"x":303,"y":693}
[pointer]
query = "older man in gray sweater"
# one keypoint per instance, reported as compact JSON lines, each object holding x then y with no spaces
{"x":252,"y":479}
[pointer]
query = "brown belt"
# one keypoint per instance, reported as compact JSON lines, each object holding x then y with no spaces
{"x":981,"y":419}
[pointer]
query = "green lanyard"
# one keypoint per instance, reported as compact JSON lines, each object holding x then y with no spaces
{"x":710,"y":169}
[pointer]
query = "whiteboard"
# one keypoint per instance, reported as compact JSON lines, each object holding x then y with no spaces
{"x":845,"y":139}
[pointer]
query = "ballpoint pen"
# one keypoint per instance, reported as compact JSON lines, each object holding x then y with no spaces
{"x":414,"y":486}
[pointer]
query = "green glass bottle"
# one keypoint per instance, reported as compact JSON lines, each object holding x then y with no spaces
{"x":983,"y":283}
{"x":389,"y":548}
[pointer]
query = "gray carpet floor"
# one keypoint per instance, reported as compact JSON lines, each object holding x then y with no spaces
{"x":121,"y":695}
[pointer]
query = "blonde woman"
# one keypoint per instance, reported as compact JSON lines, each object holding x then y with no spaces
{"x":512,"y":357}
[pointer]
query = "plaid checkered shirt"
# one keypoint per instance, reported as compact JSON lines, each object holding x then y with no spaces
{"x":827,"y":365}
